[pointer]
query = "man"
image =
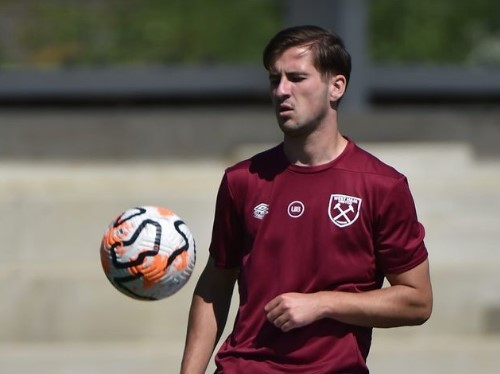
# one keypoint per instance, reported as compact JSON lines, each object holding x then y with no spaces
{"x":309,"y":229}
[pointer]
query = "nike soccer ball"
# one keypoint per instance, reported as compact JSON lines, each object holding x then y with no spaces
{"x":148,"y":253}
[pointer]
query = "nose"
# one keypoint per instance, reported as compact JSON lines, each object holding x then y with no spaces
{"x":282,"y":89}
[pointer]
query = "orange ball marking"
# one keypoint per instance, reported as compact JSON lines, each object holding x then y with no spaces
{"x":152,"y":271}
{"x":165,"y":212}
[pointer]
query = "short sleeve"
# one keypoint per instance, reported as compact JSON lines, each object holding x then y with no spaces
{"x":226,"y":242}
{"x":399,"y":236}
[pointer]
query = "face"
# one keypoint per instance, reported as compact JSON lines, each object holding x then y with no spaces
{"x":301,"y":95}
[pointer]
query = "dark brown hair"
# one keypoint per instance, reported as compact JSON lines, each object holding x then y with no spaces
{"x":329,"y":53}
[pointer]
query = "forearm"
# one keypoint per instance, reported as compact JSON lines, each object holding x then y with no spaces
{"x":408,"y":301}
{"x":201,"y":337}
{"x":207,"y":317}
{"x":389,"y":307}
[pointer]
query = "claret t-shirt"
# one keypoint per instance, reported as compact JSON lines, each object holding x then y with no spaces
{"x":338,"y":226}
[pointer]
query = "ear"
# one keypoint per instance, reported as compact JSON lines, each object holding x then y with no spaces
{"x":338,"y":84}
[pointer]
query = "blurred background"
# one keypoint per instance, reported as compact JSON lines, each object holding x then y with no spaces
{"x":109,"y":104}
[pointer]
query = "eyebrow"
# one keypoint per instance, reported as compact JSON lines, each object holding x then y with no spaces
{"x":274,"y":74}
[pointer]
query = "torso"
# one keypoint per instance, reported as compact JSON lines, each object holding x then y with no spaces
{"x":304,"y":229}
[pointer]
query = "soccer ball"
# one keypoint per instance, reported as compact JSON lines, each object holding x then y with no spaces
{"x":148,"y":253}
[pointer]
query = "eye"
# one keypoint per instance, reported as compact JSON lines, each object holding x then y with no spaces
{"x":274,"y":80}
{"x":296,"y":78}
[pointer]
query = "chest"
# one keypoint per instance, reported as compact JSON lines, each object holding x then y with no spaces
{"x":319,"y":224}
{"x":323,"y":203}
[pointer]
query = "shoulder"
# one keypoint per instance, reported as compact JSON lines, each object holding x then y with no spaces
{"x":358,"y":160}
{"x":265,"y":165}
{"x":252,"y":173}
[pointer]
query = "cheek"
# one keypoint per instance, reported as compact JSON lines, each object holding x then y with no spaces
{"x":316,"y":101}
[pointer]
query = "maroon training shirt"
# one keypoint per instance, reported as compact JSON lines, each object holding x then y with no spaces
{"x":338,"y":226}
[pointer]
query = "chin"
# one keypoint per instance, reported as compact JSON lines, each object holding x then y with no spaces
{"x":286,"y":125}
{"x":295,"y":131}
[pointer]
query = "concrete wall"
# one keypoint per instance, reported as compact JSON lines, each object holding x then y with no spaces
{"x":120,"y":133}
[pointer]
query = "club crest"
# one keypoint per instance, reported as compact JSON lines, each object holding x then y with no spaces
{"x":343,"y":209}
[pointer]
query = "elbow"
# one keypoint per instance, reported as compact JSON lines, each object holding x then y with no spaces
{"x":426,"y":314}
{"x":423,"y":313}
{"x":423,"y":317}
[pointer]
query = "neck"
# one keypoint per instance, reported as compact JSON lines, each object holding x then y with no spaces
{"x":314,"y":150}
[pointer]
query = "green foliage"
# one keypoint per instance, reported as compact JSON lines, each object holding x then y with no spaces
{"x":53,"y":32}
{"x":431,"y":31}
{"x":155,"y":32}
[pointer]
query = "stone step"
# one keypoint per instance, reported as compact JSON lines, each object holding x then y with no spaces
{"x":457,"y":354}
{"x":75,"y":302}
{"x":58,"y":213}
{"x":99,"y":357}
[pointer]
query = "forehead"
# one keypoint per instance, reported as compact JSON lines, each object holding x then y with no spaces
{"x":295,"y":58}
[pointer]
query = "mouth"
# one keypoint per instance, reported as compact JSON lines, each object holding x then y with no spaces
{"x":284,"y":109}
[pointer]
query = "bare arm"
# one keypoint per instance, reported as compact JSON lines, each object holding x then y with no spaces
{"x":408,"y":301}
{"x":207,"y":316}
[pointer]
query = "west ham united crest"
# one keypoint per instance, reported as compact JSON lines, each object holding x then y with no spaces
{"x":343,"y":209}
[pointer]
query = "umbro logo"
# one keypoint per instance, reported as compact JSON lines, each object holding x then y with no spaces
{"x":261,"y":210}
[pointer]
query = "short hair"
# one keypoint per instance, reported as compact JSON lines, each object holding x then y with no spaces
{"x":329,"y":53}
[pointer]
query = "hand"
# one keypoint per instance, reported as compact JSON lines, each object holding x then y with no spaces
{"x":291,"y":310}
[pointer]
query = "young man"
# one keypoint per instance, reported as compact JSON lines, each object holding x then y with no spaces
{"x":309,"y":229}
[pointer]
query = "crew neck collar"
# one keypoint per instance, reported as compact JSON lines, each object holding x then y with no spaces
{"x":317,"y":168}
